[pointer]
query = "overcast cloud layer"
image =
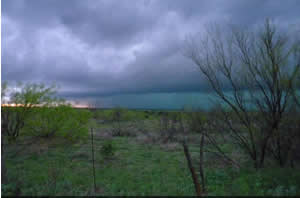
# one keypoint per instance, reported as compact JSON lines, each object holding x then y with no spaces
{"x":100,"y":48}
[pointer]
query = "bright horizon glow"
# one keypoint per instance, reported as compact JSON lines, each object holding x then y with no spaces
{"x":20,"y":105}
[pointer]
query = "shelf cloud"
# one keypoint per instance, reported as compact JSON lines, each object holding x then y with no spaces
{"x":99,"y":48}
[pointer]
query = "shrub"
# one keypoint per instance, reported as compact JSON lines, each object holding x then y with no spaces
{"x":63,"y":121}
{"x":107,"y":150}
{"x":26,"y":96}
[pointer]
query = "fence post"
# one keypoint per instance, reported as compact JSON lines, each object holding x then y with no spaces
{"x":93,"y":160}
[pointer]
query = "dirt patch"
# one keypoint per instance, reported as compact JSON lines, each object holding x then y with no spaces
{"x":38,"y":148}
{"x":173,"y":146}
{"x":103,"y":133}
{"x":148,"y":138}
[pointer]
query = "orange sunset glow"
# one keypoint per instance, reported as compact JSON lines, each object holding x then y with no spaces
{"x":20,"y":105}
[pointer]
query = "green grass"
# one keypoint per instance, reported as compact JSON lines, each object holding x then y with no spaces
{"x":135,"y":169}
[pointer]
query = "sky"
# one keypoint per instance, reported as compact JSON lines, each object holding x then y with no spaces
{"x":121,"y":53}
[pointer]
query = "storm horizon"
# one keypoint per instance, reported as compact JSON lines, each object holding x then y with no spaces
{"x":121,"y":53}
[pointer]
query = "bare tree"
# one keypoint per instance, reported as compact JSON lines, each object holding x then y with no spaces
{"x":260,"y":69}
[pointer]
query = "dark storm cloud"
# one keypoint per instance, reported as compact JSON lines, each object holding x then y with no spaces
{"x":93,"y":48}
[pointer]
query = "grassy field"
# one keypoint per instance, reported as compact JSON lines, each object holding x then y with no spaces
{"x":140,"y":165}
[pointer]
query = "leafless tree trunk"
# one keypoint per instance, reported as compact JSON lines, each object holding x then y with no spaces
{"x":201,"y":169}
{"x":192,"y":170}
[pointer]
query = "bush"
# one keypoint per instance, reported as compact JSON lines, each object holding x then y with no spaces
{"x":27,"y":97}
{"x":63,"y":121}
{"x":107,"y":150}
